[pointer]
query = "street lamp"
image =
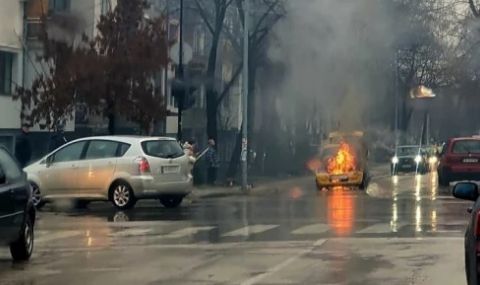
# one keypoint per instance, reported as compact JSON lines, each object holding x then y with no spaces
{"x":179,"y":90}
{"x":244,"y":153}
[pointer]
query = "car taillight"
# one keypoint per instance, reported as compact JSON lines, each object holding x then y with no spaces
{"x":143,"y":165}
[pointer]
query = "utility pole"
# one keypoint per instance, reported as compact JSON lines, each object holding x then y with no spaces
{"x":180,"y":76}
{"x":397,"y":138}
{"x":244,"y":154}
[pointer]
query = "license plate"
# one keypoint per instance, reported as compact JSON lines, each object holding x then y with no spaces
{"x":339,"y":178}
{"x":470,"y":160}
{"x":170,"y":169}
{"x":406,"y":166}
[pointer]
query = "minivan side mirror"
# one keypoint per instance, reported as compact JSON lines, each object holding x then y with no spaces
{"x":3,"y":177}
{"x":465,"y":191}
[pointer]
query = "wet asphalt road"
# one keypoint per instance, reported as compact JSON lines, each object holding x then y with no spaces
{"x":402,"y":230}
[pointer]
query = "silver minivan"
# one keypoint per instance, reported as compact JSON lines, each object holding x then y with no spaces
{"x":120,"y":169}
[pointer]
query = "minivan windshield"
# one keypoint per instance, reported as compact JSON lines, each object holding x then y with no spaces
{"x":162,"y":148}
{"x":407,"y":151}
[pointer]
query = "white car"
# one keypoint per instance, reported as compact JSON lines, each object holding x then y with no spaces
{"x":120,"y":169}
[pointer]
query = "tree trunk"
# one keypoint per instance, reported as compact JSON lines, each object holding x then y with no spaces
{"x":235,"y":157}
{"x":212,"y":108}
{"x":251,"y":109}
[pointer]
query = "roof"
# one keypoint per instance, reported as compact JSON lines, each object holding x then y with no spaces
{"x":473,"y":138}
{"x":126,"y":138}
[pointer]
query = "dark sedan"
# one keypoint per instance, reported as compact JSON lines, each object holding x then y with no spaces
{"x":17,"y":213}
{"x":469,"y":191}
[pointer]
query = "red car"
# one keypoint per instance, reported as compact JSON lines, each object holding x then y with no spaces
{"x":460,"y":160}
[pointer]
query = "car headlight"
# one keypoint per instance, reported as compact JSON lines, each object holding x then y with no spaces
{"x":394,"y":160}
{"x":418,"y":159}
{"x":433,"y":159}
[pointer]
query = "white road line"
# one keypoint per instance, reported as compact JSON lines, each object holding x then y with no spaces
{"x":312,"y":229}
{"x":131,"y":232}
{"x":57,"y":236}
{"x":256,"y":279}
{"x":186,"y":232}
{"x":249,"y":230}
{"x":379,"y":229}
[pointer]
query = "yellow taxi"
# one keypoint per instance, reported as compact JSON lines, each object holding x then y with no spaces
{"x":342,"y":161}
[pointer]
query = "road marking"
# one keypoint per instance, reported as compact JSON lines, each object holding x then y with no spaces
{"x":186,"y":232}
{"x":380,"y":229}
{"x":131,"y":232}
{"x":311,"y":229}
{"x":57,"y":236}
{"x":249,"y":230}
{"x":256,"y":279}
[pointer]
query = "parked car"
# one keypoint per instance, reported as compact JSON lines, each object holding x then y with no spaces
{"x":460,"y":160}
{"x":120,"y":169}
{"x":17,"y":213}
{"x":469,"y":191}
{"x":411,"y":158}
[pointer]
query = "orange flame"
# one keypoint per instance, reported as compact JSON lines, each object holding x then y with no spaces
{"x":343,"y":162}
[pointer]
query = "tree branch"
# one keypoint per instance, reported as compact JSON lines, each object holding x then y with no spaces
{"x":204,"y":16}
{"x":474,"y":9}
{"x":229,"y":85}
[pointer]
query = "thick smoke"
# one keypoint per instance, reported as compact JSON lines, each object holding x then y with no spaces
{"x":338,"y":57}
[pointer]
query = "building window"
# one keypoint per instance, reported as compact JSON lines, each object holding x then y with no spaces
{"x":105,"y":6}
{"x":59,"y":5}
{"x":6,"y":67}
{"x":173,"y":31}
{"x":199,"y":41}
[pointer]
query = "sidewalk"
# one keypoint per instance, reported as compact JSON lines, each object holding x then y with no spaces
{"x":259,"y":186}
{"x":271,"y":183}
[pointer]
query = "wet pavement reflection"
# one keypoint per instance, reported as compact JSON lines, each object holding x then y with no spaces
{"x":405,"y":206}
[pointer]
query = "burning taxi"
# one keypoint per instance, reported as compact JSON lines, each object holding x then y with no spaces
{"x":340,"y":165}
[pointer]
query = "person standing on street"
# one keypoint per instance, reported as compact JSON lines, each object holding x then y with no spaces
{"x":23,"y":147}
{"x":212,"y":162}
{"x":57,"y":139}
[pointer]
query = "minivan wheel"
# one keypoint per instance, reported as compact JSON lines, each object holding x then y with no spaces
{"x":37,"y":200}
{"x":171,"y":201}
{"x":22,"y":248}
{"x":122,"y":196}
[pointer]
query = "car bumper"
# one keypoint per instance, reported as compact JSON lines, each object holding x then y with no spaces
{"x":149,"y":187}
{"x":350,"y":179}
{"x":409,"y":167}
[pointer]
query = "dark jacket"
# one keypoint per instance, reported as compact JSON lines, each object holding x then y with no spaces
{"x":23,"y":149}
{"x":212,"y":158}
{"x":56,"y":141}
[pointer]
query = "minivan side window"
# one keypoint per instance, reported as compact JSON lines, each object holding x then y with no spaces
{"x":9,"y":166}
{"x":123,"y":149}
{"x":69,"y":153}
{"x":98,"y":149}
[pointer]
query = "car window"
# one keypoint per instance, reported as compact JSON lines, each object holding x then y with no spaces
{"x":466,"y":146}
{"x":101,"y":149}
{"x":71,"y":152}
{"x":9,"y":166}
{"x":162,"y":148}
{"x":123,"y":149}
{"x":405,"y":151}
{"x":329,"y":152}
